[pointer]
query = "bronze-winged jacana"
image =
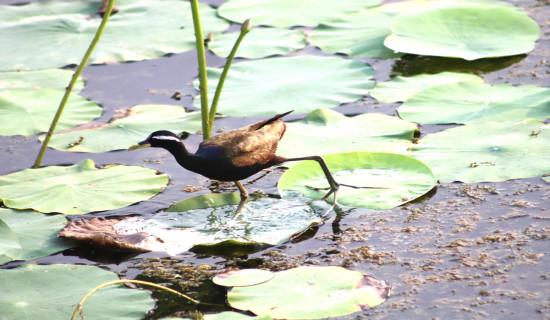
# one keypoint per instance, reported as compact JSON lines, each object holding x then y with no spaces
{"x":234,"y":155}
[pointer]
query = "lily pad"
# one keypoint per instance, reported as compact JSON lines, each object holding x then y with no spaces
{"x":402,"y":88}
{"x":80,"y":188}
{"x":264,"y":221}
{"x":322,"y":292}
{"x":464,"y":30}
{"x":359,"y":35}
{"x":229,"y":315}
{"x":120,"y":133}
{"x":63,"y":30}
{"x":259,"y":42}
{"x":288,"y":13}
{"x":324,"y":131}
{"x":302,"y":83}
{"x":10,"y":248}
{"x":35,"y":234}
{"x":242,"y":278}
{"x":400,"y":178}
{"x":41,"y":79}
{"x":467,"y":102}
{"x":28,"y":112}
{"x":487,"y":151}
{"x":33,"y":291}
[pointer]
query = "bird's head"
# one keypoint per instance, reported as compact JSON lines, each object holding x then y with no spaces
{"x":159,"y":139}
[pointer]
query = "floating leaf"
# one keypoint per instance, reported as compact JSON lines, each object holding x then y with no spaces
{"x":259,"y":42}
{"x":360,"y":35}
{"x":467,"y":102}
{"x":487,"y":151}
{"x":546,"y":178}
{"x":63,"y":30}
{"x":42,"y":79}
{"x":465,"y":30}
{"x":402,"y":178}
{"x":300,"y":83}
{"x":33,"y":291}
{"x":311,"y":293}
{"x":35,"y":233}
{"x":242,"y":278}
{"x":287,"y":13}
{"x":28,"y":112}
{"x":210,"y":200}
{"x":402,"y":88}
{"x":120,"y":133}
{"x":324,"y":131}
{"x":80,"y":188}
{"x":264,"y":221}
{"x":10,"y":248}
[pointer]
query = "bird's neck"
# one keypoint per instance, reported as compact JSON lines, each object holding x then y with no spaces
{"x":185,"y":158}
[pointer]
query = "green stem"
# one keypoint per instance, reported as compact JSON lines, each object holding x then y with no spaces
{"x":245,"y":28}
{"x":70,"y":87}
{"x":203,"y":80}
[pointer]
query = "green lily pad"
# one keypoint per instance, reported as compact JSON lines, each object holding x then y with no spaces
{"x":324,"y":131}
{"x":302,"y":83}
{"x":33,"y":291}
{"x":41,"y":79}
{"x":402,"y":88}
{"x":487,"y":151}
{"x":467,"y":102}
{"x":402,"y":178}
{"x":288,"y":13}
{"x":63,"y":30}
{"x":35,"y":234}
{"x":28,"y":112}
{"x":465,"y":30}
{"x":547,"y":178}
{"x":210,"y":200}
{"x":242,"y":278}
{"x":229,"y":315}
{"x":359,"y":35}
{"x":10,"y":248}
{"x":135,"y":125}
{"x":259,"y":43}
{"x":322,"y":292}
{"x":80,"y":188}
{"x":263,"y":221}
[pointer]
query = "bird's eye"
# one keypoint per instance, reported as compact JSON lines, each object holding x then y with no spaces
{"x":184,"y":135}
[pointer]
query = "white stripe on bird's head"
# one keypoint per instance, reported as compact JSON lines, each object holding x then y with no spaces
{"x":166,"y":138}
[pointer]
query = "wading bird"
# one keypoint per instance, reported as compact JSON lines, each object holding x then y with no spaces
{"x":234,"y":155}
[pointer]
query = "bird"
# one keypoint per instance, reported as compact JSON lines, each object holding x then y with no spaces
{"x":235,"y":155}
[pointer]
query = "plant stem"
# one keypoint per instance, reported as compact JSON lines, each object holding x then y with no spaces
{"x":203,"y":80}
{"x":245,"y":28}
{"x":70,"y":87}
{"x":81,"y":302}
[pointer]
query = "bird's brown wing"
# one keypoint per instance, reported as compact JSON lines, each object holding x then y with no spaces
{"x":253,"y":144}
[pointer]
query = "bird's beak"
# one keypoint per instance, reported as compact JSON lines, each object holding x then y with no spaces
{"x":141,"y":145}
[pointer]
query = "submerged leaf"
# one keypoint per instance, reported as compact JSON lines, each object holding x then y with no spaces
{"x":322,"y":292}
{"x":28,"y":112}
{"x":467,"y":30}
{"x":121,"y":133}
{"x":324,"y":131}
{"x":80,"y":188}
{"x":302,"y":83}
{"x":467,"y":102}
{"x":400,"y":178}
{"x":402,"y":88}
{"x":35,"y":233}
{"x":33,"y":291}
{"x":487,"y":151}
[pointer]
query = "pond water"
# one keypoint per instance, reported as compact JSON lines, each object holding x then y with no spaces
{"x":464,"y":251}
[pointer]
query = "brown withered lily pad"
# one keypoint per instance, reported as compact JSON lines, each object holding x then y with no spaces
{"x":102,"y":233}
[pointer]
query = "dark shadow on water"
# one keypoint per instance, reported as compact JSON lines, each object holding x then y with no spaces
{"x":410,"y":65}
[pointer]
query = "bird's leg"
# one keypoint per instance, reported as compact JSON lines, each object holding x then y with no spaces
{"x":244,"y":196}
{"x":332,"y":183}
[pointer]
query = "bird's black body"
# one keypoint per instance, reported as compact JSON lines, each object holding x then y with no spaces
{"x":233,"y":155}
